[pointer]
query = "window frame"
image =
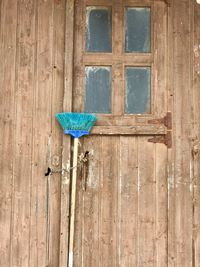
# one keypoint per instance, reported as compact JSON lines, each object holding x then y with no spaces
{"x":83,"y":59}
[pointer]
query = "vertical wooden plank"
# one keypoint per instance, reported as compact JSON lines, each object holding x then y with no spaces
{"x":67,"y":106}
{"x":55,"y":156}
{"x":159,"y":84}
{"x":128,"y":202}
{"x":196,"y":140}
{"x":171,"y":152}
{"x":146,"y":203}
{"x":161,"y":205}
{"x":91,"y":199}
{"x":118,"y":67}
{"x":78,"y":67}
{"x":39,"y":253}
{"x":23,"y":133}
{"x":160,"y":30}
{"x":183,"y":131}
{"x":109,"y":201}
{"x":88,"y":249}
{"x":8,"y":29}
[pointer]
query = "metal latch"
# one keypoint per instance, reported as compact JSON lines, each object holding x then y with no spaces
{"x":167,"y":138}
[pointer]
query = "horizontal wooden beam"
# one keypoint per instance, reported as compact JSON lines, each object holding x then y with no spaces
{"x":110,"y":59}
{"x":129,"y":130}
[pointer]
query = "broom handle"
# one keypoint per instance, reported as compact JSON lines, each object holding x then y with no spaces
{"x":73,"y":203}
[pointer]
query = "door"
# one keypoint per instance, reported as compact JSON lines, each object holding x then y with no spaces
{"x":120,"y":74}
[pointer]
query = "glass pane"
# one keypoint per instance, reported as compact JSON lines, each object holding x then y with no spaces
{"x":138,"y":90}
{"x":98,"y":89}
{"x":137,"y":34}
{"x":98,"y":30}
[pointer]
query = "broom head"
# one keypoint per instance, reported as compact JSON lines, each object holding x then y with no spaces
{"x":76,"y":124}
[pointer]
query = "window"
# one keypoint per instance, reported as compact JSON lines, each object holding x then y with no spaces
{"x":117,"y":48}
{"x":98,"y":29}
{"x":137,"y":29}
{"x":98,"y":89}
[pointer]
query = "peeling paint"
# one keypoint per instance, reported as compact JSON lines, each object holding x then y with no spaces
{"x":65,"y":180}
{"x":191,"y":175}
{"x":49,"y":151}
{"x":94,"y":70}
{"x":92,"y":181}
{"x":197,"y":59}
{"x":55,"y":160}
{"x":67,"y":165}
{"x":138,"y":181}
{"x":170,"y":177}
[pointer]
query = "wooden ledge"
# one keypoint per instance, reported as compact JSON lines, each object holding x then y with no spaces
{"x":129,"y":130}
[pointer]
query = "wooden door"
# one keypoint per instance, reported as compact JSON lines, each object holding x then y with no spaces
{"x":120,"y":73}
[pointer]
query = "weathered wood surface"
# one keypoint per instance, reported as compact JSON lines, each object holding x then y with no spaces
{"x":122,"y":211}
{"x":23,"y":132}
{"x":8,"y":30}
{"x":164,"y":213}
{"x":130,"y":130}
{"x":196,"y":135}
{"x":31,"y":81}
{"x":171,"y":156}
{"x":183,"y":131}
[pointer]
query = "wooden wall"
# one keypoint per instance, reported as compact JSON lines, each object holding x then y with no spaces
{"x":31,"y":82}
{"x":184,"y":227}
{"x":32,"y":52}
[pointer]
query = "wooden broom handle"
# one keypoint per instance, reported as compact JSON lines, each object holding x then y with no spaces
{"x":73,"y":204}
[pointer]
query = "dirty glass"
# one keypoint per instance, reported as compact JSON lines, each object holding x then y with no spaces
{"x":98,"y":89}
{"x":138,"y":90}
{"x":138,"y":30}
{"x":98,"y":29}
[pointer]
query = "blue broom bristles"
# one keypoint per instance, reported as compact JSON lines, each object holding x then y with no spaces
{"x":76,"y":124}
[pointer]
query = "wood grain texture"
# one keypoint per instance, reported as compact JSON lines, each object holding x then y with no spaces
{"x":161,"y":207}
{"x":91,"y":187}
{"x":161,"y":157}
{"x":23,"y":133}
{"x":8,"y":31}
{"x":171,"y":152}
{"x":128,"y":204}
{"x":32,"y":93}
{"x":196,"y":137}
{"x":109,"y":196}
{"x":183,"y":132}
{"x":134,"y":234}
{"x":55,"y":155}
{"x":78,"y":67}
{"x":129,"y":130}
{"x":159,"y":46}
{"x":42,"y":136}
{"x":121,"y":211}
{"x":147,"y":203}
{"x":124,"y":169}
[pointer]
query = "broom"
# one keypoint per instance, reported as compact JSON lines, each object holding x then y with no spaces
{"x":76,"y":125}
